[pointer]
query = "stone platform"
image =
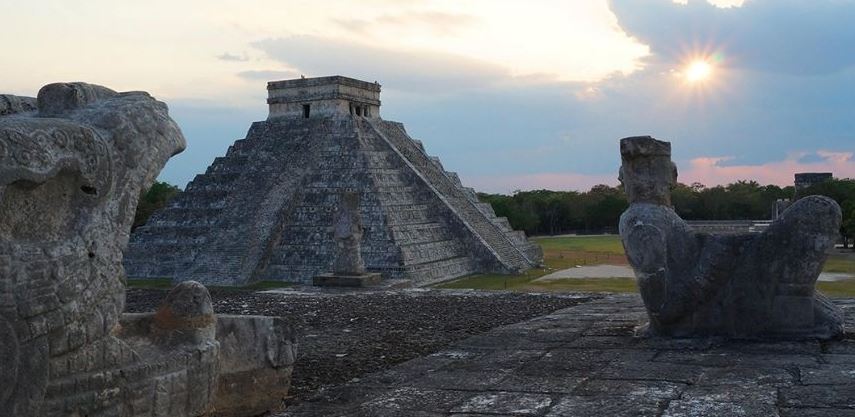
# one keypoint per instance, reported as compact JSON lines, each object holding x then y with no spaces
{"x":339,"y":280}
{"x":584,"y":361}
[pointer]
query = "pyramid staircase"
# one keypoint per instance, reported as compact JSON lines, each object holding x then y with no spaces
{"x":263,"y":211}
{"x":477,"y":218}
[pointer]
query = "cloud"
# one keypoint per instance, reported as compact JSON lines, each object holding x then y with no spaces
{"x":512,"y":133}
{"x":436,"y":22}
{"x":410,"y":70}
{"x":710,"y":171}
{"x":506,"y":184}
{"x":778,"y":36}
{"x":809,"y":158}
{"x":839,"y":158}
{"x":717,"y":3}
{"x":232,"y":58}
{"x":501,"y":131}
{"x":267,"y":75}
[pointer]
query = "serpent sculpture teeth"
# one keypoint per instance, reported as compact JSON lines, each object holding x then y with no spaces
{"x":744,"y":286}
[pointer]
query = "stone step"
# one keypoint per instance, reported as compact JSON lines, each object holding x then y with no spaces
{"x":460,"y":199}
{"x":445,"y":269}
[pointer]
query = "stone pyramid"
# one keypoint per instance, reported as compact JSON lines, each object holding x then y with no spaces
{"x":263,"y":211}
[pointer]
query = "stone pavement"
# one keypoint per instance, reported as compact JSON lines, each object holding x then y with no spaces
{"x":590,"y":271}
{"x":622,"y":271}
{"x":584,"y":361}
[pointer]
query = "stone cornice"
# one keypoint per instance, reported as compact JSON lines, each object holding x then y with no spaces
{"x":326,"y":96}
{"x":319,"y":81}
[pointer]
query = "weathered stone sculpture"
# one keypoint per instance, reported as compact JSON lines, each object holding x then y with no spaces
{"x":347,"y":233}
{"x":745,"y":286}
{"x":71,"y":171}
{"x":10,"y":104}
{"x":348,"y":267}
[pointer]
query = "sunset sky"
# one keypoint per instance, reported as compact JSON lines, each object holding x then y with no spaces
{"x":509,"y":94}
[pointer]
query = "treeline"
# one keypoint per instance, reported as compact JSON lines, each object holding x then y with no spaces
{"x":544,"y":212}
{"x":842,"y":191}
{"x":153,"y":199}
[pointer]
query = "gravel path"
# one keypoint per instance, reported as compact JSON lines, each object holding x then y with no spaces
{"x":348,"y":335}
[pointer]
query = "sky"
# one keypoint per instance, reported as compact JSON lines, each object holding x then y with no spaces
{"x":512,"y":95}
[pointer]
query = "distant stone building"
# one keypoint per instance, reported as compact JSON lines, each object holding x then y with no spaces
{"x":802,"y":181}
{"x":263,"y":211}
{"x":729,"y":227}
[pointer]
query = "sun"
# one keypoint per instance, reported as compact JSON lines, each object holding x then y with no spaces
{"x":698,"y":71}
{"x":702,"y":75}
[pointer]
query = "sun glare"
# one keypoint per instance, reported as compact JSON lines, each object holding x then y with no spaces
{"x":698,"y":71}
{"x":702,"y":75}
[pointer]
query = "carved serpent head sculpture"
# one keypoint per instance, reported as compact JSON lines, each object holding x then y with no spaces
{"x":71,"y":172}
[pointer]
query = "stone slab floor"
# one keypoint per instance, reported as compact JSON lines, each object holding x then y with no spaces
{"x":584,"y":361}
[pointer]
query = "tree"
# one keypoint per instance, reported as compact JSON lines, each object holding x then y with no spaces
{"x":687,"y":201}
{"x":153,"y":199}
{"x":605,"y":205}
{"x":598,"y":209}
{"x":848,"y":228}
{"x":843,"y":192}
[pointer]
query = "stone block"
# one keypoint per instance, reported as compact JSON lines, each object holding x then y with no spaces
{"x":504,"y":402}
{"x":334,"y":280}
{"x":793,"y":311}
{"x":257,"y":355}
{"x":605,"y":406}
{"x":703,"y":407}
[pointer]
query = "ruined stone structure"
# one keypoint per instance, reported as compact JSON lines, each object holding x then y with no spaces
{"x":72,"y":165}
{"x":263,"y":210}
{"x":803,"y":181}
{"x":737,"y":285}
{"x":323,"y":97}
{"x":729,"y":226}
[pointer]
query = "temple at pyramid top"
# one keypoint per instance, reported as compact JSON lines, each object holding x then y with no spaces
{"x":323,"y":97}
{"x":265,"y":210}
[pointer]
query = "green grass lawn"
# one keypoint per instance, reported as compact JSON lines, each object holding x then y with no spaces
{"x":597,"y":243}
{"x":560,"y":253}
{"x":843,"y":263}
{"x":568,"y":251}
{"x":837,"y":288}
